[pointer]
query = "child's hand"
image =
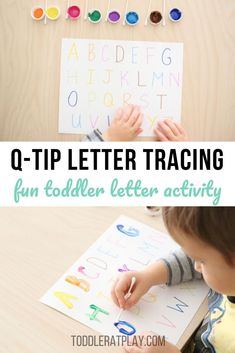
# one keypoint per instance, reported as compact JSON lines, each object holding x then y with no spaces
{"x":169,"y":130}
{"x":126,"y":124}
{"x":142,"y":348}
{"x":120,"y":288}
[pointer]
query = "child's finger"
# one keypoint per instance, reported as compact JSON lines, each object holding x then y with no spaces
{"x":113,"y":293}
{"x":139,"y":131}
{"x":127,"y":112}
{"x":135,"y":297}
{"x":120,"y":290}
{"x":166,"y":130}
{"x":134,"y":116}
{"x":160,"y":135}
{"x":180,"y":128}
{"x":170,"y":123}
{"x":118,"y":114}
{"x":138,"y":122}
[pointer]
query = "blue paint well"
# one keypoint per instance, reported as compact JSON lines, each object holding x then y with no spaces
{"x":175,"y":14}
{"x":132,"y":18}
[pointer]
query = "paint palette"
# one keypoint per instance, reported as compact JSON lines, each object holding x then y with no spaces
{"x":113,"y":16}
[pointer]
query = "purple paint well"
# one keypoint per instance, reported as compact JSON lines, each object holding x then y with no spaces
{"x":114,"y":16}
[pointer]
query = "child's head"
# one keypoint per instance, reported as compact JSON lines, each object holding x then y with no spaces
{"x":207,"y":234}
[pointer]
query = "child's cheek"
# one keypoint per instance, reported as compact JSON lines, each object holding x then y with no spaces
{"x":213,"y":281}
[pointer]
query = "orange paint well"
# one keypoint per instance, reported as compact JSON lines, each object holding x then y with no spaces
{"x":38,"y":13}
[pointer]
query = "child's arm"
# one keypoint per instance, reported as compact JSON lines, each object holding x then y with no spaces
{"x":169,"y":130}
{"x":125,"y":126}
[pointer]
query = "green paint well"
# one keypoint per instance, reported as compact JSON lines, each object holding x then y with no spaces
{"x":94,"y":16}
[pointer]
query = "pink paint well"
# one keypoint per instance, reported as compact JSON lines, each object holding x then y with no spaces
{"x":74,"y":12}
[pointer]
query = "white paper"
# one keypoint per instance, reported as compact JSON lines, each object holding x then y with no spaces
{"x":98,"y":76}
{"x":157,"y":311}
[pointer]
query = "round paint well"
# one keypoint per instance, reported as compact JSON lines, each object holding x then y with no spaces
{"x":94,"y":16}
{"x":37,"y":13}
{"x":175,"y":15}
{"x":155,"y":18}
{"x":74,"y":12}
{"x":114,"y":16}
{"x":132,"y":18}
{"x":53,"y":13}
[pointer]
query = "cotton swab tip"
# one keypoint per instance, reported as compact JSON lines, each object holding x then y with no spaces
{"x":133,"y":280}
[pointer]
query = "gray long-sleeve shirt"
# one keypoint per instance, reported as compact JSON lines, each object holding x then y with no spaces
{"x":94,"y":136}
{"x":180,"y":268}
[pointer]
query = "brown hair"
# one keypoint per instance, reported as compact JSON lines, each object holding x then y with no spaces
{"x":213,"y":225}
